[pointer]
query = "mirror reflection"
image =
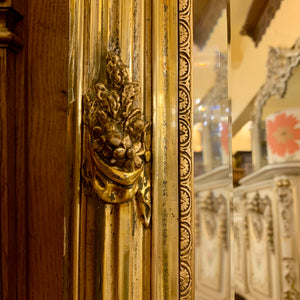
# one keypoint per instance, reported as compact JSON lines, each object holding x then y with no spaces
{"x":262,"y":254}
{"x":211,"y":150}
{"x":264,"y":89}
{"x":279,"y":120}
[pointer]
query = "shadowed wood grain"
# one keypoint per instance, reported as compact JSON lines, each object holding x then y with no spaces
{"x":12,"y":229}
{"x":47,"y":43}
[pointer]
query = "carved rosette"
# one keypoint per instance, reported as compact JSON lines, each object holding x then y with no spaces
{"x":116,"y":141}
{"x":215,"y":216}
{"x":286,"y":224}
{"x":259,"y":212}
{"x":185,"y":150}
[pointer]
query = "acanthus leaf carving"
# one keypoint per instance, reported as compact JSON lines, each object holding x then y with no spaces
{"x":116,"y":141}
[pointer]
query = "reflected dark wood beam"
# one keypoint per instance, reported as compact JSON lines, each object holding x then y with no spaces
{"x":243,"y":118}
{"x":259,"y":17}
{"x":206,"y":14}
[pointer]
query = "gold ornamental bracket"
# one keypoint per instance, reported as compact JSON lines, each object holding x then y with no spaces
{"x":117,"y":141}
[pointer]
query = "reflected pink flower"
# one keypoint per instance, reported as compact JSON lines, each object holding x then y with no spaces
{"x":282,"y":135}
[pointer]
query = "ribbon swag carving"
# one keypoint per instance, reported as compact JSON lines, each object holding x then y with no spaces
{"x":117,"y":141}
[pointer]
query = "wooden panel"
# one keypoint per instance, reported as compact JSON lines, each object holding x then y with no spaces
{"x":7,"y":157}
{"x":21,"y":154}
{"x":46,"y":132}
{"x":12,"y":226}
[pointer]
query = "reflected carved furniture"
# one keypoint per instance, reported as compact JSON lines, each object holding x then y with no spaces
{"x":266,"y":204}
{"x":266,"y":227}
{"x":212,"y":269}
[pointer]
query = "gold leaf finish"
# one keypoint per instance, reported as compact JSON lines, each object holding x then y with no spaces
{"x":116,"y":141}
{"x":185,"y":173}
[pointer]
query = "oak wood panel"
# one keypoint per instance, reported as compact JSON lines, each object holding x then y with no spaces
{"x":7,"y":172}
{"x":21,"y":158}
{"x":47,"y":48}
{"x":12,"y":152}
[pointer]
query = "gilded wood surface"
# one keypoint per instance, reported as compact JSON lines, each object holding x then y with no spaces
{"x":117,"y":143}
{"x":166,"y":278}
{"x":186,"y":260}
{"x":111,"y":247}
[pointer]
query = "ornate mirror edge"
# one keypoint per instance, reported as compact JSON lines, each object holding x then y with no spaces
{"x":186,"y":256}
{"x":280,"y":65}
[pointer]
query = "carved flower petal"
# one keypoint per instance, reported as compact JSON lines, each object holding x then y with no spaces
{"x":137,"y":161}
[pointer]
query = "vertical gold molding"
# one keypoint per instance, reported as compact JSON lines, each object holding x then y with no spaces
{"x":111,"y":248}
{"x":186,"y":259}
{"x":73,"y":203}
{"x":165,"y":253}
{"x":98,"y":26}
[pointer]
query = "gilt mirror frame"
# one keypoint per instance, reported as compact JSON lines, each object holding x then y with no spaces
{"x":280,"y":65}
{"x":151,"y":41}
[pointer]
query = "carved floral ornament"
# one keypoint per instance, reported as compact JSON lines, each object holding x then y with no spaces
{"x":259,"y":212}
{"x":280,"y":65}
{"x":285,"y":198}
{"x":117,"y":143}
{"x":284,"y":194}
{"x":215,"y":216}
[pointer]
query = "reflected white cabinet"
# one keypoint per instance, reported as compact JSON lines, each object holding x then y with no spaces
{"x":266,"y":232}
{"x":212,"y":272}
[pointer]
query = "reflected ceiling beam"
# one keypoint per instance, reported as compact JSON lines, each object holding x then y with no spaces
{"x":206,"y":14}
{"x":259,"y":17}
{"x":243,"y":118}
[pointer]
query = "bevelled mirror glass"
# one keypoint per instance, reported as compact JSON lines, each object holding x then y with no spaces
{"x":211,"y":149}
